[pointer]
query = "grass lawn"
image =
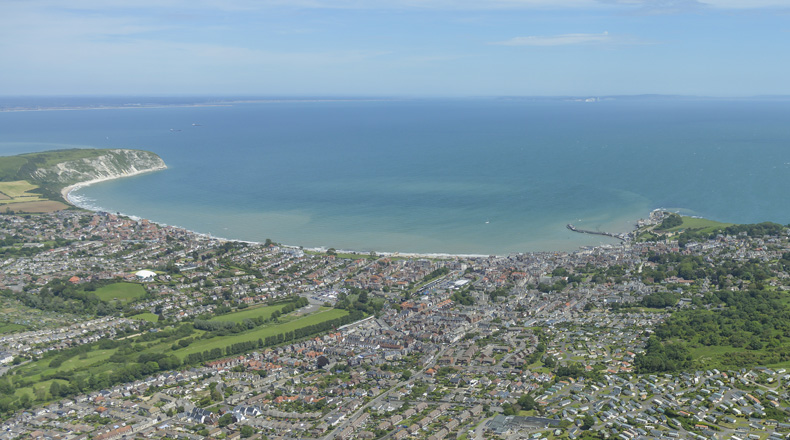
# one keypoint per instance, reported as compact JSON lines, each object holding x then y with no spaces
{"x":699,"y":224}
{"x":260,"y":332}
{"x":124,"y":292}
{"x":147,"y":316}
{"x":250,"y":313}
{"x":35,"y":370}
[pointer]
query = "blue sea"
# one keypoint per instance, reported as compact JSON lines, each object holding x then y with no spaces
{"x":463,"y":176}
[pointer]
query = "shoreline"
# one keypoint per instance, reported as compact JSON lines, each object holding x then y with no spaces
{"x":323,"y":249}
{"x":65,"y":192}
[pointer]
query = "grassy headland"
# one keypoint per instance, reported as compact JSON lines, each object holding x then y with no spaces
{"x":33,"y":182}
{"x":674,"y":224}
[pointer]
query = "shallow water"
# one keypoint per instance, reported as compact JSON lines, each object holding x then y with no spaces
{"x":454,"y":176}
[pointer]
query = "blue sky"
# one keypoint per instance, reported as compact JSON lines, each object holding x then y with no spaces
{"x":394,"y":47}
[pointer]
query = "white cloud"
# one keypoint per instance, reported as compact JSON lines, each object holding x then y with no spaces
{"x":558,"y":40}
{"x":449,"y":5}
{"x":686,"y":5}
{"x":747,"y":4}
{"x":254,"y":5}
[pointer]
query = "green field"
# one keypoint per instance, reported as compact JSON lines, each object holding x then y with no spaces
{"x":691,"y":224}
{"x":261,"y":332}
{"x":123,"y":292}
{"x":253,"y":312}
{"x":96,"y":361}
{"x":19,"y":188}
{"x":38,"y":374}
{"x":148,"y":316}
{"x":699,"y":224}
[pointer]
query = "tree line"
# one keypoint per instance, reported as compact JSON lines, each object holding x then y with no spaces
{"x":223,"y":328}
{"x":273,"y":340}
{"x":62,"y":296}
{"x":134,"y":364}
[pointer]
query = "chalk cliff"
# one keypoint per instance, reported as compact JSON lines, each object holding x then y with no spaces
{"x":111,"y":164}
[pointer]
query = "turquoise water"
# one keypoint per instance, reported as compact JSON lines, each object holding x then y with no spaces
{"x":454,"y":176}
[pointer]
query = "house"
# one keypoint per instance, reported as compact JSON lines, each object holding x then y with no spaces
{"x":200,"y":415}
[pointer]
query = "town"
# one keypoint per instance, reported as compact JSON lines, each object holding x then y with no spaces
{"x":121,"y":328}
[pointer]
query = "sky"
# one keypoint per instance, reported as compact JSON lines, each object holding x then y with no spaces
{"x":412,"y":48}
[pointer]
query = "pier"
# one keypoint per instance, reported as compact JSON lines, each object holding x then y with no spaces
{"x":622,"y":237}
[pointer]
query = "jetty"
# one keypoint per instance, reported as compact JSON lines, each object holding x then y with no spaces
{"x":622,"y":237}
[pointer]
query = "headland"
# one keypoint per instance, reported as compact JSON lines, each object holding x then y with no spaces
{"x":41,"y":182}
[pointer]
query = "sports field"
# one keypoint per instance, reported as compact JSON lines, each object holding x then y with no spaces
{"x":123,"y":292}
{"x":147,"y":316}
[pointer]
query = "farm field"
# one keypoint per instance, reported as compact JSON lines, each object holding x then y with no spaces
{"x":19,"y":188}
{"x":16,"y":196}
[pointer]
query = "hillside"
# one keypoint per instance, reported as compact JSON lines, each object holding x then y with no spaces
{"x":38,"y":178}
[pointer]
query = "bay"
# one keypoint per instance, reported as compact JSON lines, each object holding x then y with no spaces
{"x":469,"y":176}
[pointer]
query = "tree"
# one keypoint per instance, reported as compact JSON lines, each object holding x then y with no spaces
{"x":670,"y":221}
{"x":588,"y":422}
{"x":216,"y":395}
{"x":526,"y":402}
{"x":54,"y":389}
{"x":225,"y":420}
{"x":322,"y":361}
{"x":247,"y":431}
{"x":25,"y":401}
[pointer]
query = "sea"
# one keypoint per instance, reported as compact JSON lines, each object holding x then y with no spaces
{"x":480,"y":176}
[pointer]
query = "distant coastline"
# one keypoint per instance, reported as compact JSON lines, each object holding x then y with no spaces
{"x":220,"y":103}
{"x":99,"y":107}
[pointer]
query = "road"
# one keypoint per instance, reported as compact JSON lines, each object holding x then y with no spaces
{"x":380,"y":398}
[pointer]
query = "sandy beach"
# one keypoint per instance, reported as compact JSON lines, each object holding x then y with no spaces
{"x":68,"y":189}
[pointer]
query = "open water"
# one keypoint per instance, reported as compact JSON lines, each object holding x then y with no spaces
{"x":472,"y":176}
